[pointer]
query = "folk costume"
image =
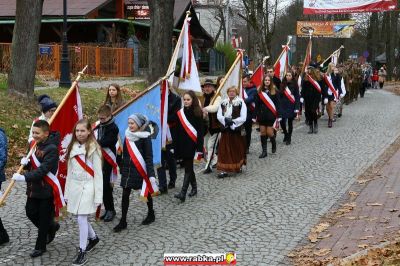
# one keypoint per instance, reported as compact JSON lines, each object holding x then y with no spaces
{"x":232,"y":147}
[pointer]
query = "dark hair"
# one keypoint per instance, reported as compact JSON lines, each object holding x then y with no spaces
{"x":195,"y":103}
{"x":119,"y":99}
{"x":42,"y":124}
{"x":284,"y":81}
{"x":219,"y":81}
{"x":104,"y":110}
{"x":91,"y":137}
{"x":245,"y":76}
{"x":271,"y":85}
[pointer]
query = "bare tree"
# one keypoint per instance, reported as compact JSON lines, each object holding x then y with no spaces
{"x":160,"y":43}
{"x":25,"y":42}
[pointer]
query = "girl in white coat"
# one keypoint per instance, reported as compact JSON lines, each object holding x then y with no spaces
{"x":84,"y":184}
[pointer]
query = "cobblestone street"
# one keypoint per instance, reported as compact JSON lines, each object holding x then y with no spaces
{"x":260,"y":214}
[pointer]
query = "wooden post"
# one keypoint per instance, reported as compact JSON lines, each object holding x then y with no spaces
{"x":97,"y":60}
{"x":56,"y":55}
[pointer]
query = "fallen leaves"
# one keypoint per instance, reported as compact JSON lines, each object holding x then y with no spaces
{"x":313,"y":236}
{"x":322,"y":252}
{"x":374,"y":204}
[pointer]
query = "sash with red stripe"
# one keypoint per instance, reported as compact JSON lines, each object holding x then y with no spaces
{"x":190,"y":130}
{"x":52,"y":180}
{"x":314,"y":83}
{"x":331,"y":87}
{"x":111,"y":159}
{"x":148,"y":187}
{"x":88,"y":167}
{"x":268,"y":102}
{"x":289,"y":95}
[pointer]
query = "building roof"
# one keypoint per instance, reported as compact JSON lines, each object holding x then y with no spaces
{"x":55,"y":7}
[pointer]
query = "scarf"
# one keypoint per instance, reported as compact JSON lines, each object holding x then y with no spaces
{"x":134,"y":136}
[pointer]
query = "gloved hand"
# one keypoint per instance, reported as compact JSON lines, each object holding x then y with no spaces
{"x":325,"y":100}
{"x":25,"y":161}
{"x":154,"y":183}
{"x":228,"y":122}
{"x":296,"y":111}
{"x":18,"y":177}
{"x":302,"y":100}
{"x":341,"y":95}
{"x":279,"y":119}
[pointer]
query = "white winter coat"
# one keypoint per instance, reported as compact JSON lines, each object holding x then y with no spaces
{"x":83,"y":192}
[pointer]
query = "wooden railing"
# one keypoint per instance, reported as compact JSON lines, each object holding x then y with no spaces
{"x":102,"y":61}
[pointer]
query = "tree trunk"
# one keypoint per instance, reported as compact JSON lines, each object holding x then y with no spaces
{"x":24,"y":47}
{"x":160,"y":44}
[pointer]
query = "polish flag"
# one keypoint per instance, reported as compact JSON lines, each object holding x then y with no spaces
{"x":282,"y":64}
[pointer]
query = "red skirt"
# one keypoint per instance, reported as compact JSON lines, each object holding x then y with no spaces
{"x":231,"y":152}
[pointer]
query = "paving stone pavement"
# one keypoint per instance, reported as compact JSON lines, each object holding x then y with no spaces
{"x":260,"y":214}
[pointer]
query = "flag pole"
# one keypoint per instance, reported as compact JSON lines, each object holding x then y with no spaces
{"x":340,"y":48}
{"x":238,"y":57}
{"x":303,"y":68}
{"x":12,"y":182}
{"x":178,"y":44}
{"x":290,"y":39}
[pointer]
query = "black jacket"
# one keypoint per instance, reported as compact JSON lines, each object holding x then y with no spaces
{"x":174,"y":104}
{"x":47,"y":154}
{"x":263,"y":113}
{"x":107,"y":138}
{"x":185,"y":148}
{"x":311,"y":96}
{"x":130,"y":177}
{"x":287,"y":107}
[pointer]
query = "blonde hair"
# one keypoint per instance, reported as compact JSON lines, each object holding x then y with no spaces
{"x":233,"y":88}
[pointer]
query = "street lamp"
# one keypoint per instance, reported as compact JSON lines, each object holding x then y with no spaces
{"x":65,"y":80}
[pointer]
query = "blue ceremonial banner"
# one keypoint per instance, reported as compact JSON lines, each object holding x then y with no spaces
{"x":149,"y":105}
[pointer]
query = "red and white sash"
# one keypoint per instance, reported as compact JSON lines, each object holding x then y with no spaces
{"x":314,"y":83}
{"x":148,"y":187}
{"x":88,"y":167}
{"x":190,"y":130}
{"x":111,"y":159}
{"x":52,"y":180}
{"x":328,"y":81}
{"x":268,"y":102}
{"x":289,"y":95}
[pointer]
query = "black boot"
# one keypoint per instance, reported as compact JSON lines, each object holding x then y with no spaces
{"x":193,"y":183}
{"x":289,"y":139}
{"x":120,"y":226}
{"x":311,"y":130}
{"x":285,"y":135}
{"x":273,"y":142}
{"x":315,"y":126}
{"x":264,"y":140}
{"x":80,"y":258}
{"x":182,"y":194}
{"x":149,"y":218}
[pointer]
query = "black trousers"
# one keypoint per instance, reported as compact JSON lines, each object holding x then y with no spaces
{"x":167,"y":158}
{"x":290,"y":124}
{"x":41,"y":213}
{"x":248,"y":126}
{"x":108,"y":199}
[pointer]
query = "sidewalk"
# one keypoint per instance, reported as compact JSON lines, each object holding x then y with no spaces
{"x":365,"y":217}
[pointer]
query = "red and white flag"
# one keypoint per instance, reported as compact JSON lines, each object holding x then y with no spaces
{"x":188,"y":76}
{"x":64,"y":121}
{"x":258,"y":75}
{"x":307,"y":58}
{"x":165,"y":131}
{"x":282,"y":64}
{"x":236,"y":42}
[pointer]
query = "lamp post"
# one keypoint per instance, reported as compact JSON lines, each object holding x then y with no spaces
{"x":65,"y":80}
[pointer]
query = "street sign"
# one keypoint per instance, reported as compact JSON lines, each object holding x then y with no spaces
{"x":44,"y":50}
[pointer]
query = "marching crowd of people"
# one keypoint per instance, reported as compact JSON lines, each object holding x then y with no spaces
{"x":217,"y":126}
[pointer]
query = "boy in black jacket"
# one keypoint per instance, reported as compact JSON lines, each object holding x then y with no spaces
{"x":39,"y":204}
{"x":107,"y":137}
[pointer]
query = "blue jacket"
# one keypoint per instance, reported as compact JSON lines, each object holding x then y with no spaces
{"x":251,"y":97}
{"x":3,"y":155}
